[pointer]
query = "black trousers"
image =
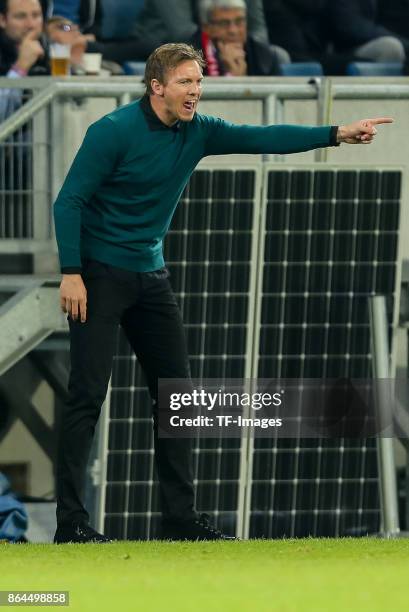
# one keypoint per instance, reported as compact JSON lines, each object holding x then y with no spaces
{"x":146,"y":308}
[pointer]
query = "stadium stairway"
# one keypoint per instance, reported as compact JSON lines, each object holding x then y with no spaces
{"x":29,"y":314}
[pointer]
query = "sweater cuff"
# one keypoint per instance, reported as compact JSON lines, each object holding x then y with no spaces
{"x":71,"y":270}
{"x":333,"y":136}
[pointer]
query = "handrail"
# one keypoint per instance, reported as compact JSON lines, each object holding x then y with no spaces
{"x":27,"y":111}
{"x":239,"y":89}
{"x":344,"y":91}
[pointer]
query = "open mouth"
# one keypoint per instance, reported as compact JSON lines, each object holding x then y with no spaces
{"x":190,"y":105}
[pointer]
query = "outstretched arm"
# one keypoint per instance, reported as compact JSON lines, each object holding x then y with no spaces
{"x":224,"y":137}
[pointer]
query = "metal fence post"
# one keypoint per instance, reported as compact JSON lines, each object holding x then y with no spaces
{"x":41,"y":178}
{"x":381,"y":375}
{"x":324,"y":112}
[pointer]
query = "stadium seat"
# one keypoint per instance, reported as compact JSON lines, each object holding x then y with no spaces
{"x":374,"y":69}
{"x":302,"y":69}
{"x":135,"y":68}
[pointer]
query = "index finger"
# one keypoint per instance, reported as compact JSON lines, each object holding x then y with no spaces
{"x":83,"y":310}
{"x":380,"y":120}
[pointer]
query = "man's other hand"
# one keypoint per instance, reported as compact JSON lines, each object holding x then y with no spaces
{"x":361,"y":132}
{"x":73,"y":296}
{"x":29,"y":51}
{"x":233,"y":57}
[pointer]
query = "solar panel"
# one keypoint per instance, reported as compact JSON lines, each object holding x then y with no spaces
{"x":330,"y":241}
{"x":269,"y":287}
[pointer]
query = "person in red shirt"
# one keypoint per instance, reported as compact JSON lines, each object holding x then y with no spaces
{"x":227,"y":46}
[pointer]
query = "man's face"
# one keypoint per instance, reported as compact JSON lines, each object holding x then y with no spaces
{"x":181,"y":92}
{"x":22,"y":17}
{"x":228,"y":25}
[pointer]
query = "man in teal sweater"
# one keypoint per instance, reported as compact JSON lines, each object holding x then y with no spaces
{"x":111,"y":216}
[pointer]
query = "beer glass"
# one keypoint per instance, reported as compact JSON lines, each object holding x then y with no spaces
{"x":60,"y":59}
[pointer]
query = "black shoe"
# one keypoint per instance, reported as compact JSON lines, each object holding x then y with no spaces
{"x":195,"y":529}
{"x":78,"y":533}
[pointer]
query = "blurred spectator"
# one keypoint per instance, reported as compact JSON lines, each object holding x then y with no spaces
{"x":13,"y":514}
{"x":256,"y":21}
{"x":23,"y":52}
{"x":154,"y":22}
{"x":116,"y":37}
{"x":119,"y":18}
{"x":228,"y":48}
{"x":87,"y":14}
{"x":23,"y":47}
{"x":301,"y":27}
{"x":356,"y":29}
{"x":394,"y":16}
{"x":64,"y":31}
{"x":178,"y":20}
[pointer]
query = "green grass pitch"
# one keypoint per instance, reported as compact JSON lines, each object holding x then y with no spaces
{"x":365,"y":574}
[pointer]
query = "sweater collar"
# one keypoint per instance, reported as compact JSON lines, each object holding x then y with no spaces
{"x":152,"y":119}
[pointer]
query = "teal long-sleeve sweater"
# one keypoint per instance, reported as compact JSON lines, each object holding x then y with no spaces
{"x":119,"y":196}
